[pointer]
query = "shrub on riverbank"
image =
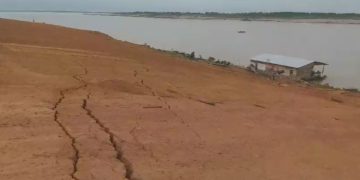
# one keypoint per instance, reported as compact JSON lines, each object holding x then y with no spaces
{"x":354,"y":90}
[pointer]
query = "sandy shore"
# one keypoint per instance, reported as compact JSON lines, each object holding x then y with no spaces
{"x":79,"y":105}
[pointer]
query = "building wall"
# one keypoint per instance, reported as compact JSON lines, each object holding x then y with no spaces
{"x":300,"y":73}
{"x":270,"y":68}
{"x":261,"y":67}
{"x":305,"y":72}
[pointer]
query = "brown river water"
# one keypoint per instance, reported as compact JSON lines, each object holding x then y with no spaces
{"x":336,"y":44}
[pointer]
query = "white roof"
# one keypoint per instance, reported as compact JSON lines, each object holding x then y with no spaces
{"x":282,"y":60}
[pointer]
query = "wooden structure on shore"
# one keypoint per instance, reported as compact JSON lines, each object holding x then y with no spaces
{"x":294,"y":68}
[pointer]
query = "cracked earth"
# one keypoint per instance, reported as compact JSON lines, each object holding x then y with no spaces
{"x":78,"y":105}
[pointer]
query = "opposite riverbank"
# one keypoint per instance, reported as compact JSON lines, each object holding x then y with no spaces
{"x":293,"y":17}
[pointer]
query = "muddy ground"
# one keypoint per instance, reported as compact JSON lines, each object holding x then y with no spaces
{"x":79,"y":105}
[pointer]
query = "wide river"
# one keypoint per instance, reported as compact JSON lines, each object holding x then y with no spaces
{"x":336,"y":44}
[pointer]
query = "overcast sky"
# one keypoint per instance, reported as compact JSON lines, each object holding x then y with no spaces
{"x":185,"y":5}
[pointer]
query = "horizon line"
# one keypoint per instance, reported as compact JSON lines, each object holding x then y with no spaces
{"x":194,"y":12}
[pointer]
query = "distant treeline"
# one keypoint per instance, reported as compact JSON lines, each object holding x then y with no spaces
{"x":252,"y":15}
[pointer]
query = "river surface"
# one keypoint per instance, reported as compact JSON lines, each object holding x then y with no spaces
{"x":335,"y":44}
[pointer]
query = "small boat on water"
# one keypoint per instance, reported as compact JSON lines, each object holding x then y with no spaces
{"x":241,"y":32}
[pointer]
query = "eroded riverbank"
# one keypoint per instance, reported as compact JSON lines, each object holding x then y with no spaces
{"x":127,"y":111}
{"x":335,"y":44}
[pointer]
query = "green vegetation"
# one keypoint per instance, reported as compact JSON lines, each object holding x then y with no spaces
{"x":192,"y":57}
{"x":354,"y":90}
{"x":222,"y":63}
{"x":217,"y":62}
{"x":327,"y":86}
{"x":243,"y":16}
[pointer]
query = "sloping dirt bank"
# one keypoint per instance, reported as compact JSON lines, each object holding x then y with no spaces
{"x":80,"y":105}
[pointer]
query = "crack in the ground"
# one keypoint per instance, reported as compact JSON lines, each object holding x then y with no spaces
{"x":67,"y":133}
{"x":205,"y":102}
{"x":142,"y":145}
{"x":76,"y":155}
{"x":169,"y":107}
{"x":58,"y":102}
{"x":73,"y":142}
{"x":136,"y":139}
{"x":81,"y":80}
{"x":117,"y":148}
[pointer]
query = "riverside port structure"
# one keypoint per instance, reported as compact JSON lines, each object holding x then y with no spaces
{"x":292,"y":67}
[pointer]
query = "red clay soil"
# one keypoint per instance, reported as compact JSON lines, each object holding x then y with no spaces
{"x":79,"y":105}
